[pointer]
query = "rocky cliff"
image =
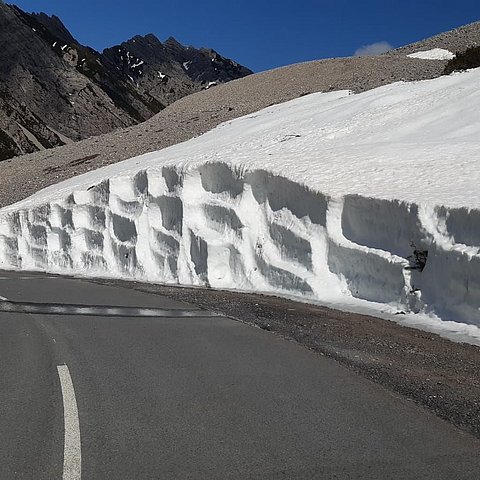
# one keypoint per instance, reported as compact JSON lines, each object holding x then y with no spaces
{"x":54,"y":91}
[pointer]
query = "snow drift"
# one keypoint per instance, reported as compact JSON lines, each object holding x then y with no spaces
{"x":332,"y":197}
{"x":433,"y":54}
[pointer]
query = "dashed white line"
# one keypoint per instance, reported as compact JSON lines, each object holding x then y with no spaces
{"x":4,"y":299}
{"x":72,"y":456}
{"x":37,"y":277}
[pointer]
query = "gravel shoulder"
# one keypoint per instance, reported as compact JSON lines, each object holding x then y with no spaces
{"x":436,"y":373}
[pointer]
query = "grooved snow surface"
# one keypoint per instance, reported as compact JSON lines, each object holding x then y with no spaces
{"x":325,"y":197}
{"x":434,"y":54}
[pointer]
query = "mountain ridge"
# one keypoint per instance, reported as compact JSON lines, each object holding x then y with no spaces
{"x":54,"y":90}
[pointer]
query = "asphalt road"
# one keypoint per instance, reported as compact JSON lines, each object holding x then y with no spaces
{"x":102,"y":382}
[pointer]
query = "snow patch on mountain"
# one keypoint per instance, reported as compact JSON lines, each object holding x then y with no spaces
{"x":211,"y":84}
{"x":433,"y":54}
{"x":365,"y":201}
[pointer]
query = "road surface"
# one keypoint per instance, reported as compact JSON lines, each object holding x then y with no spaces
{"x":103,"y":382}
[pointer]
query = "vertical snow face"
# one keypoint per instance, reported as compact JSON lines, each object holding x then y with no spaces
{"x":215,"y":226}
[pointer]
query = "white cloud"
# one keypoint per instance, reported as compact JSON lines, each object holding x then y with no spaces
{"x":373,"y":49}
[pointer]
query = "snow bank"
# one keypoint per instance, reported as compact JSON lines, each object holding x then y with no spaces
{"x":367,"y":199}
{"x":434,"y":54}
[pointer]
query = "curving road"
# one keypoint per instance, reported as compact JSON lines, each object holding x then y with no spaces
{"x":102,"y":382}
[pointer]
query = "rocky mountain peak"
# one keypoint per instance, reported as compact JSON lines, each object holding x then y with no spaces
{"x":54,"y":25}
{"x":54,"y":90}
{"x":172,"y":42}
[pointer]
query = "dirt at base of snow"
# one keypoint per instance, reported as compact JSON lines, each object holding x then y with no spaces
{"x":441,"y":375}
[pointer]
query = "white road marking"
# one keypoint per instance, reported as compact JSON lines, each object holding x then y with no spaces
{"x":100,"y":310}
{"x":37,"y":277}
{"x":72,"y":456}
{"x":5,"y":299}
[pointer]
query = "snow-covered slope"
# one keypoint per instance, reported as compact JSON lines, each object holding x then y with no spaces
{"x":368,"y":199}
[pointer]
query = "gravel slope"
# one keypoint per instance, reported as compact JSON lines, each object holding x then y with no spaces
{"x":198,"y":113}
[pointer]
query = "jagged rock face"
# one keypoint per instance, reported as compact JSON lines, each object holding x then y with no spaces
{"x":53,"y":90}
{"x":166,"y":72}
{"x":44,"y":100}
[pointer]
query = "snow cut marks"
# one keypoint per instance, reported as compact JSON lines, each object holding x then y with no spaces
{"x":258,"y":231}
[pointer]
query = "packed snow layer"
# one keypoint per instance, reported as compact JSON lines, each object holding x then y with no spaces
{"x":434,"y":54}
{"x":368,"y":199}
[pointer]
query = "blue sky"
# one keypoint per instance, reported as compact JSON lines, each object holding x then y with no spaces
{"x":261,"y":34}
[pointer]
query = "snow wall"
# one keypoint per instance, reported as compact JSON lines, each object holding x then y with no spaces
{"x":255,"y":231}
